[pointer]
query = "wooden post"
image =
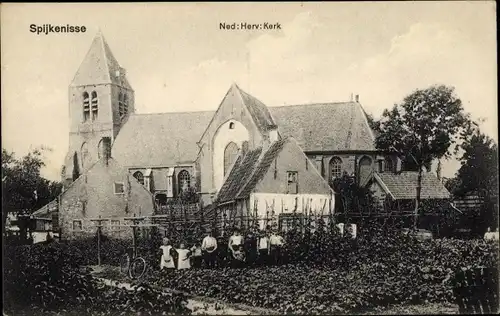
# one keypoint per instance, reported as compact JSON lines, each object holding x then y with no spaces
{"x":99,"y":225}
{"x":135,"y":221}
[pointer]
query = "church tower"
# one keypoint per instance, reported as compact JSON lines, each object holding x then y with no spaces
{"x":100,"y":101}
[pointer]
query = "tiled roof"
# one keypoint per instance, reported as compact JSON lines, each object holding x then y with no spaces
{"x":326,"y":126}
{"x":165,"y":139}
{"x":169,"y":138}
{"x":403,"y":186}
{"x":99,"y":66}
{"x":47,"y":210}
{"x":245,"y":175}
{"x":258,"y":110}
{"x":263,"y":166}
{"x":239,"y":175}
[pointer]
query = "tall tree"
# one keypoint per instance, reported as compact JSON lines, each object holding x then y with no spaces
{"x":24,"y":189}
{"x":422,"y":128}
{"x":479,"y":174}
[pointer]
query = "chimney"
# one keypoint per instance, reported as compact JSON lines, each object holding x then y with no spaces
{"x":106,"y":149}
{"x":357,"y":98}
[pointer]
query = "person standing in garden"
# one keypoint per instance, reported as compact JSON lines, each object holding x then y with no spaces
{"x":235,"y":241}
{"x":251,"y":247}
{"x":184,"y":255}
{"x":167,"y":260}
{"x":276,"y":244}
{"x":221,"y":253}
{"x":263,"y":248}
{"x":209,"y":250}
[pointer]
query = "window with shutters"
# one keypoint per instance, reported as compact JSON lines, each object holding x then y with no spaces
{"x":292,"y":182}
{"x":94,"y":105}
{"x":86,"y":107}
{"x":125,"y":104}
{"x":121,"y":104}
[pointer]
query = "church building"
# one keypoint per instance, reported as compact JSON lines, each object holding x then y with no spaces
{"x":170,"y":154}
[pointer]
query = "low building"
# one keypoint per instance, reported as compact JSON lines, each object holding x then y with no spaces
{"x":401,"y":187}
{"x":107,"y":190}
{"x":269,"y":185}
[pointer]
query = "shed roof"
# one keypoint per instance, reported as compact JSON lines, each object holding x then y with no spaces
{"x":403,"y":186}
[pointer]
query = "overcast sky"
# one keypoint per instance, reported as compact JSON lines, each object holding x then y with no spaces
{"x":177,"y":58}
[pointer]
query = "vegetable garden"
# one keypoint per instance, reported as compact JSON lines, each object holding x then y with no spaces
{"x":324,"y":273}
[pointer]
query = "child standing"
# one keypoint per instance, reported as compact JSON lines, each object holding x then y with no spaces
{"x":167,"y":258}
{"x":184,"y":255}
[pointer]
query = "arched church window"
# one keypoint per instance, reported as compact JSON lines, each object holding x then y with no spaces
{"x":184,"y":180}
{"x":94,"y":104}
{"x":231,"y":125}
{"x":99,"y":149}
{"x":84,"y":154}
{"x":335,"y":168}
{"x":389,"y":164}
{"x":86,"y":107}
{"x":139,"y":176}
{"x":365,"y":170}
{"x":230,"y":154}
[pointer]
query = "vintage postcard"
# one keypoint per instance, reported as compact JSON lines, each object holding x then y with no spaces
{"x":249,"y":158}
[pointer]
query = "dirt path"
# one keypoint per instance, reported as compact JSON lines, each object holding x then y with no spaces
{"x":198,"y":307}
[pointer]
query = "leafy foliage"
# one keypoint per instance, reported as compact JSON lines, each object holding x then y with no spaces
{"x":50,"y":280}
{"x":333,"y":274}
{"x":423,"y":128}
{"x":424,"y":125}
{"x":22,"y":180}
{"x":352,"y":197}
{"x":479,"y":170}
{"x":478,"y":175}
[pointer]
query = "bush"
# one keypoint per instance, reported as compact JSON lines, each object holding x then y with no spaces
{"x":50,"y":278}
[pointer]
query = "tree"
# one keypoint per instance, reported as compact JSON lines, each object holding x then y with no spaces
{"x":479,"y":170}
{"x":24,"y":189}
{"x":372,"y":122}
{"x":423,"y":128}
{"x":479,"y":173}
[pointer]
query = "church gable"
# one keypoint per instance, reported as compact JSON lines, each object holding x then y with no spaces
{"x":240,"y":106}
{"x":239,"y":119}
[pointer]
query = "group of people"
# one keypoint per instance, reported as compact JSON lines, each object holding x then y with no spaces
{"x":256,"y":248}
